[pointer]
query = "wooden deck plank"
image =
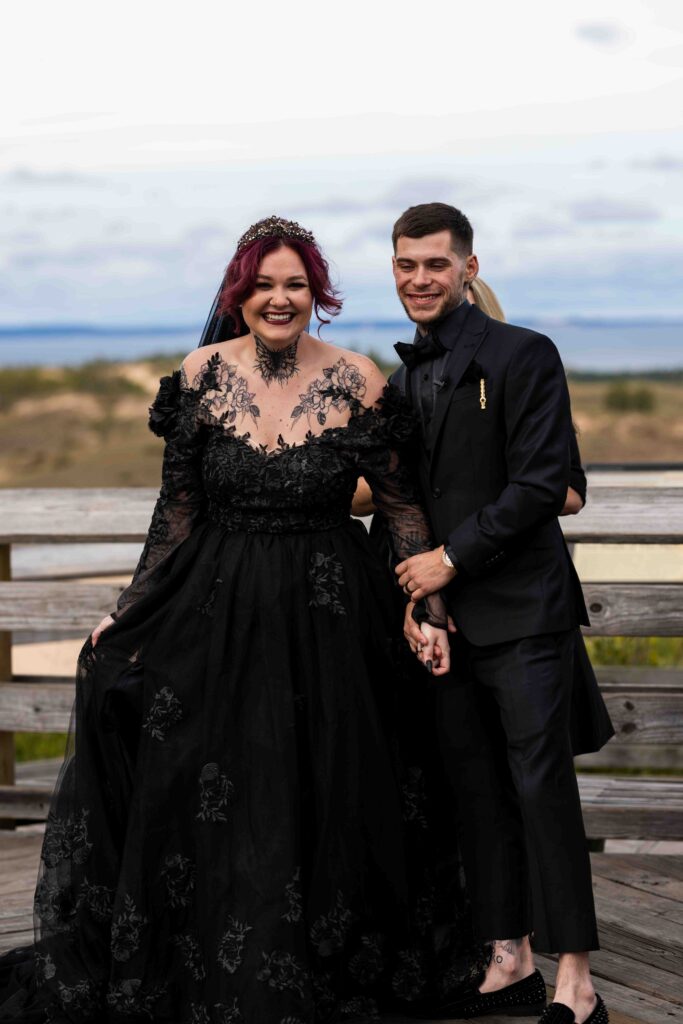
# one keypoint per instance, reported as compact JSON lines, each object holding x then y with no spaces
{"x":645,"y":978}
{"x":632,"y":609}
{"x":618,"y":515}
{"x":672,"y":866}
{"x":627,"y":515}
{"x":55,"y":605}
{"x":625,"y":1005}
{"x":58,"y":515}
{"x":636,"y":926}
{"x":616,"y":609}
{"x":652,"y":877}
{"x":36,"y":707}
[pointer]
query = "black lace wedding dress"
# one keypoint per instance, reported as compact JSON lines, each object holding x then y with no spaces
{"x":245,"y":830}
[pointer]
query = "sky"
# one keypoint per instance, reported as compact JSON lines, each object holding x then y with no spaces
{"x":141,"y":139}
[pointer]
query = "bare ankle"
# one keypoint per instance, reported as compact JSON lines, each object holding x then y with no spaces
{"x":511,"y":961}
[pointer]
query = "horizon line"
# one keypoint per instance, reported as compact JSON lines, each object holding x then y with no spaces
{"x":80,"y":327}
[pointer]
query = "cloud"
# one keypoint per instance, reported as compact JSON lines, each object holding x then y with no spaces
{"x":84,"y":115}
{"x":413,"y":191}
{"x":333,"y":206}
{"x":663,"y":162}
{"x":612,"y":211}
{"x":24,"y":176}
{"x":378,"y":231}
{"x":605,"y":34}
{"x":404,"y":193}
{"x":540,"y":227}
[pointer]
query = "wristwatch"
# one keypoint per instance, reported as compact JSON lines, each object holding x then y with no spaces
{"x":446,"y":560}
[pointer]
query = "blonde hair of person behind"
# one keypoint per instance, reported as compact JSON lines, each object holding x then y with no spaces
{"x":485,"y":297}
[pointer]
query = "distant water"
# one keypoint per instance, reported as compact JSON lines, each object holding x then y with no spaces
{"x":589,"y":345}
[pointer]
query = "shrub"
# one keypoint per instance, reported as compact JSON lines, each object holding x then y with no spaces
{"x":620,"y":397}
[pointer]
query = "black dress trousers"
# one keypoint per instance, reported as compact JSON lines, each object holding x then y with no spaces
{"x":504,"y":721}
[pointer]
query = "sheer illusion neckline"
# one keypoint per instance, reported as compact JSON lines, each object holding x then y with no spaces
{"x":310,"y":438}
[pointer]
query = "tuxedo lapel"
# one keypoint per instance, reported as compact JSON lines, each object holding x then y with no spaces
{"x":399,"y":378}
{"x":465,"y":349}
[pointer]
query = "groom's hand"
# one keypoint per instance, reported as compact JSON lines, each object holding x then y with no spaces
{"x":421,"y":575}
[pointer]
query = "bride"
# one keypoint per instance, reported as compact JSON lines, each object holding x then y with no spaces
{"x":240,"y":830}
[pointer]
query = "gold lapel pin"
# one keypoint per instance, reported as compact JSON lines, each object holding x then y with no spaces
{"x":482,"y":393}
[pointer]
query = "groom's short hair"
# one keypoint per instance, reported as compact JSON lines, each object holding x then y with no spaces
{"x":430,"y":218}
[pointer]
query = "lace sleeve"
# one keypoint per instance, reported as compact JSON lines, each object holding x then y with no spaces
{"x":388,"y":434}
{"x":173,"y":416}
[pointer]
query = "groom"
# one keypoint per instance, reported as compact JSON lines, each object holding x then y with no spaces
{"x":493,"y":469}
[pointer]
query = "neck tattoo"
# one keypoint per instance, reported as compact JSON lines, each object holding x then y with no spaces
{"x":276,"y":364}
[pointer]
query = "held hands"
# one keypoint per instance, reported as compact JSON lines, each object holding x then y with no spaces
{"x":421,"y":575}
{"x":428,"y":643}
{"x":106,"y":622}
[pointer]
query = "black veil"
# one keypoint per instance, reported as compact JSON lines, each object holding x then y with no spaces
{"x":220,"y":326}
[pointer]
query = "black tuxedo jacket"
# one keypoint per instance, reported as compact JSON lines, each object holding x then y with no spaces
{"x":494,"y":480}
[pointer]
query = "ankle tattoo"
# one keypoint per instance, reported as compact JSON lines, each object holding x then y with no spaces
{"x":501,"y":949}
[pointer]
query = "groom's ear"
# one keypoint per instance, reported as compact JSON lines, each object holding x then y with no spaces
{"x":471,"y":268}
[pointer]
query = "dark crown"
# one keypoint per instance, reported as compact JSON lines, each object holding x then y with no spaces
{"x":275,"y":227}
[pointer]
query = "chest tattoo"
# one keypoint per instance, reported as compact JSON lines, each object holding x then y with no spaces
{"x":225,"y":390}
{"x":341,"y":387}
{"x":275,"y":365}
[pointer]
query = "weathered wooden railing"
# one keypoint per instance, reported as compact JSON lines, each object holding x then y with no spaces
{"x":646,"y":704}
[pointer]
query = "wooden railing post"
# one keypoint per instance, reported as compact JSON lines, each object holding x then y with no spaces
{"x":6,"y":738}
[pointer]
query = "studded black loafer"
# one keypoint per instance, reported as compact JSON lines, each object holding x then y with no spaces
{"x":525,"y":998}
{"x":558,"y":1013}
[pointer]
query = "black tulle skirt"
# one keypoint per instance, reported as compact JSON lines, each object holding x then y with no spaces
{"x":249,"y":825}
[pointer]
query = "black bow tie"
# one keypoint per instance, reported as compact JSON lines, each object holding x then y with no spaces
{"x":426,"y":347}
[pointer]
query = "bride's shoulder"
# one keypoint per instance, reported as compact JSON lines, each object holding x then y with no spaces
{"x":353,"y":366}
{"x":201,"y":361}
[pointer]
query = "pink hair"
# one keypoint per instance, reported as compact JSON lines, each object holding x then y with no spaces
{"x":242,"y":270}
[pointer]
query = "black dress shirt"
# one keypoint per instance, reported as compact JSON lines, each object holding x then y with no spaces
{"x":427,"y":378}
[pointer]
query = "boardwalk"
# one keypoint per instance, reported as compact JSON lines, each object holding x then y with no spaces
{"x":64,"y":586}
{"x":639,"y":971}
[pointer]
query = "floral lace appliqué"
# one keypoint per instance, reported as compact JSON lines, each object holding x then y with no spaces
{"x":367,"y":965}
{"x":189,"y":947}
{"x":329,"y":932}
{"x":231,"y":947}
{"x":126,"y":931}
{"x":228,"y":1014}
{"x":360,"y":1008}
{"x":127,"y":998}
{"x":66,"y":837}
{"x":294,"y":899}
{"x":282,"y":971}
{"x":178,"y":874}
{"x":215,"y":793}
{"x":98,"y":899}
{"x":326,"y":576}
{"x":45,"y":967}
{"x":80,"y":998}
{"x":199,"y":1014}
{"x":165,"y":711}
{"x":54,"y":905}
{"x":409,"y":980}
